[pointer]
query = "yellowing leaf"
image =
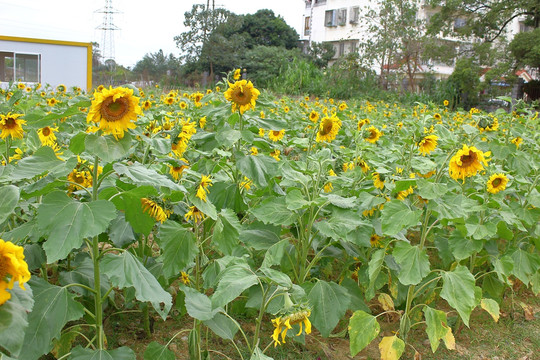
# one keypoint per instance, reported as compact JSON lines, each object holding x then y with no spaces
{"x":491,"y":307}
{"x":449,"y":339}
{"x":386,"y":302}
{"x":391,"y":348}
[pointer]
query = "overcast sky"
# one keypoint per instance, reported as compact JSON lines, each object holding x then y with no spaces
{"x":145,"y":26}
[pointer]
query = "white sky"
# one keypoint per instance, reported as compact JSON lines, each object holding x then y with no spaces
{"x":145,"y":26}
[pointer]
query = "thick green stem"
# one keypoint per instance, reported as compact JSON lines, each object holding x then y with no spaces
{"x":98,"y":311}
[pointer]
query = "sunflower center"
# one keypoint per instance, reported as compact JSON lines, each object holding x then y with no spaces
{"x":112,"y":110}
{"x":79,"y":179}
{"x":326,"y":127}
{"x":10,"y":123}
{"x":46,"y":131}
{"x":468,"y":160}
{"x":242,"y":96}
{"x":372,"y":134}
{"x":496,"y":182}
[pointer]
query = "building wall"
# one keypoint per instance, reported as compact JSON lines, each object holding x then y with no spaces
{"x":62,"y":62}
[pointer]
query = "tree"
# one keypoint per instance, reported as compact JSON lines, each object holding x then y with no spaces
{"x":525,"y":47}
{"x":157,"y":67}
{"x":265,"y":28}
{"x":466,"y":80}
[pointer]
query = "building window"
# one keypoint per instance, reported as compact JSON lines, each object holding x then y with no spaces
{"x":330,"y":18}
{"x":341,"y":51}
{"x":352,"y":47}
{"x":20,"y":67}
{"x":320,"y":2}
{"x":342,"y":17}
{"x":307,"y":27}
{"x":459,"y":23}
{"x":355,"y":15}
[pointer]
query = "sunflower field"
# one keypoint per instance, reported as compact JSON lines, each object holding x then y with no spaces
{"x":256,"y":221}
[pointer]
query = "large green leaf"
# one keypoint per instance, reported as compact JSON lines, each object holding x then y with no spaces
{"x":198,"y":306}
{"x":178,"y":246}
{"x":65,"y":222}
{"x":462,"y":247}
{"x":125,"y":270}
{"x":329,"y":302}
{"x":14,"y":318}
{"x":429,"y":190}
{"x":452,"y":206}
{"x":44,"y":160}
{"x":436,"y":327}
{"x":227,"y":137}
{"x":10,"y":197}
{"x":223,"y":326}
{"x":226,"y":231}
{"x":82,"y":272}
{"x":234,"y":280}
{"x":155,"y":351}
{"x":54,"y":306}
{"x":122,"y":353}
{"x":121,"y":232}
{"x":413,"y":262}
{"x":273,"y":210}
{"x":275,"y":253}
{"x":139,"y":174}
{"x":258,"y":169}
{"x":525,"y":265}
{"x":397,"y":216}
{"x":374,"y":268}
{"x":363,"y":328}
{"x":459,"y":291}
{"x":107,"y":147}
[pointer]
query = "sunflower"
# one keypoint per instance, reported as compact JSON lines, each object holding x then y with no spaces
{"x":237,"y":74}
{"x":378,"y":180}
{"x":183,"y":105}
{"x":363,"y":165}
{"x":184,"y":277}
{"x":246,"y":183}
{"x":195,"y":214}
{"x":496,"y":183}
{"x":202,"y":190}
{"x":275,"y":154}
{"x":11,"y":125}
{"x":517,"y":141}
{"x":46,"y":135}
{"x":261,"y":132}
{"x":61,"y":88}
{"x":147,"y":104}
{"x":314,"y":116}
{"x":176,"y":171}
{"x":21,"y":86}
{"x":374,"y":134}
{"x":467,"y":162}
{"x":427,"y":144}
{"x":276,"y":135}
{"x":243,"y":95}
{"x":283,"y":324}
{"x":375,"y":240}
{"x":254,"y":151}
{"x":78,"y":180}
{"x":401,"y":195}
{"x":202,"y":122}
{"x":52,"y":101}
{"x":115,"y":110}
{"x":445,"y":103}
{"x":437,"y":116}
{"x":12,"y":268}
{"x":155,"y":209}
{"x":328,"y":129}
{"x":342,"y":106}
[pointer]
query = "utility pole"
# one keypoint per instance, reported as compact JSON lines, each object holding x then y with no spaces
{"x":108,"y":28}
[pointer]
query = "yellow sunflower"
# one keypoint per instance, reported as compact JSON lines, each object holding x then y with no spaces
{"x":176,"y":171}
{"x":374,"y":240}
{"x":11,"y":125}
{"x":373,"y":134}
{"x":283,"y":324}
{"x":401,"y":195}
{"x":517,"y":141}
{"x":155,"y":210}
{"x":202,"y":190}
{"x":328,"y":129}
{"x":115,"y":110}
{"x":21,"y":86}
{"x":147,"y":104}
{"x":314,"y":116}
{"x":61,"y":88}
{"x":496,"y":183}
{"x":243,"y":95}
{"x":276,"y":135}
{"x":427,"y":144}
{"x":46,"y":135}
{"x":467,"y":162}
{"x":237,"y":74}
{"x":445,"y":103}
{"x":342,"y":106}
{"x":12,"y":268}
{"x":437,"y":116}
{"x":378,"y":180}
{"x":275,"y":154}
{"x":254,"y":151}
{"x":195,"y":214}
{"x":184,"y":277}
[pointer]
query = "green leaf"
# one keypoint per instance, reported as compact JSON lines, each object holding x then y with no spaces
{"x":222,"y":326}
{"x":429,"y":190}
{"x":226,"y":231}
{"x":260,"y":168}
{"x":10,"y":198}
{"x":413,"y":262}
{"x":122,"y":353}
{"x":463,"y":247}
{"x":492,"y":307}
{"x":234,"y":280}
{"x":42,"y":161}
{"x":275,"y":253}
{"x":121,"y":232}
{"x":397,"y":216}
{"x":259,"y":355}
{"x":374,"y":268}
{"x":356,"y":294}
{"x":341,"y":202}
{"x":130,"y":203}
{"x":139,"y":174}
{"x":198,"y":306}
{"x":525,"y":265}
{"x":155,"y":351}
{"x":14,"y":318}
{"x":452,"y":206}
{"x":82,"y":272}
{"x":54,"y":306}
{"x":391,"y":348}
{"x":295,"y":200}
{"x":329,"y":302}
{"x":227,"y":137}
{"x":65,"y":222}
{"x":271,"y":124}
{"x":206,"y":207}
{"x":435,"y":329}
{"x":178,"y":246}
{"x":76,"y":143}
{"x":259,"y":238}
{"x":459,"y":291}
{"x":278,"y":277}
{"x":273,"y":210}
{"x":125,"y":270}
{"x":107,"y":147}
{"x":363,"y":329}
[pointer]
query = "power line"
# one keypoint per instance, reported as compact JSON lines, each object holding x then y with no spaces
{"x":108,"y":28}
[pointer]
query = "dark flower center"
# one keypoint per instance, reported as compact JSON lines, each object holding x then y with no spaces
{"x":114,"y":110}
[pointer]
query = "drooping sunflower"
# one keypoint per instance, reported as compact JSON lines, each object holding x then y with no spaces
{"x":242,"y":94}
{"x":373,"y":134}
{"x":496,"y":183}
{"x":401,"y":195}
{"x":378,"y":180}
{"x":362,"y":164}
{"x":427,"y":144}
{"x":282,"y":324}
{"x":467,"y":162}
{"x":176,"y":171}
{"x":11,"y":125}
{"x":12,"y":268}
{"x":156,"y":210}
{"x":46,"y":135}
{"x":275,"y":154}
{"x":276,"y":135}
{"x":202,"y":190}
{"x":517,"y":141}
{"x":195,"y":214}
{"x":115,"y":110}
{"x":328,"y":129}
